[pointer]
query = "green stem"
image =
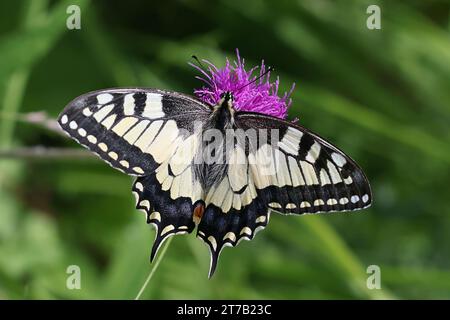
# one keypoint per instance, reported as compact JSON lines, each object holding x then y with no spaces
{"x":11,"y":103}
{"x":152,"y":271}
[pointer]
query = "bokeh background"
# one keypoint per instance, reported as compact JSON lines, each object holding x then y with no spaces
{"x":383,"y":96}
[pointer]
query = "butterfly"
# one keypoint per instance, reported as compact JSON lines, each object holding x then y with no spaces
{"x":197,"y":166}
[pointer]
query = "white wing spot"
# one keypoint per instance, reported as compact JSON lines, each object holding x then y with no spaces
{"x":82,"y":132}
{"x":213,"y":242}
{"x":333,"y":172}
{"x":104,"y":98}
{"x":365,"y":198}
{"x":155,"y":216}
{"x":275,"y":205}
{"x":109,"y":121}
{"x":338,"y":159}
{"x":64,"y":119}
{"x":87,"y":112}
{"x":124,"y":125}
{"x":305,"y":204}
{"x":113,"y":155}
{"x":124,"y":163}
{"x":103,"y":147}
{"x":313,"y":152}
{"x":167,"y":229}
{"x":354,"y":199}
{"x":231,"y":236}
{"x":139,"y":186}
{"x":128,"y":104}
{"x":296,"y":175}
{"x":92,"y":139}
{"x":309,"y":173}
{"x":348,"y":180}
{"x":132,"y":135}
{"x":138,"y":170}
{"x":148,"y":135}
{"x":291,"y":141}
{"x":73,"y":125}
{"x":291,"y":206}
{"x":165,"y":143}
{"x":145,"y":203}
{"x":324,"y":179}
{"x":103,"y":112}
{"x":246,"y":230}
{"x":318,"y":202}
{"x":260,"y":219}
{"x":282,"y":170}
{"x":343,"y":200}
{"x":153,"y":106}
{"x":331,"y":202}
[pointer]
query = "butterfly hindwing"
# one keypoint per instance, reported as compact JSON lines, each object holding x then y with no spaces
{"x":134,"y":130}
{"x":218,"y":229}
{"x":169,"y":216}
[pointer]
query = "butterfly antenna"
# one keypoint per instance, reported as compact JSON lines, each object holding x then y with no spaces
{"x":198,"y":62}
{"x":257,"y":78}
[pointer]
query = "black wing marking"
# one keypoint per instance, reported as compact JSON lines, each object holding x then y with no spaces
{"x":311,"y":175}
{"x":169,"y":216}
{"x":218,"y":229}
{"x":133,"y":129}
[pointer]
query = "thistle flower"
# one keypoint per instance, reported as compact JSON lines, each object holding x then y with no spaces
{"x":259,"y":96}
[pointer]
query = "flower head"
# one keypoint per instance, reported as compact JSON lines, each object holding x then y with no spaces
{"x":249,"y":95}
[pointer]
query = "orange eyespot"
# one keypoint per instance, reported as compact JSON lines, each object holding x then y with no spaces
{"x":198,"y":213}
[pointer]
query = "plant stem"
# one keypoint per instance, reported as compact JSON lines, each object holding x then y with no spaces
{"x":152,"y":271}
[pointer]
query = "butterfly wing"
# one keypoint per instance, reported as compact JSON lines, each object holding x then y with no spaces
{"x":134,"y":130}
{"x":298,"y":172}
{"x":169,"y":214}
{"x":311,"y":175}
{"x":149,"y":134}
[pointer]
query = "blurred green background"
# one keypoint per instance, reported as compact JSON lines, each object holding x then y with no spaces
{"x":383,"y":96}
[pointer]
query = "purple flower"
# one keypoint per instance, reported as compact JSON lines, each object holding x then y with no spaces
{"x":260,"y":96}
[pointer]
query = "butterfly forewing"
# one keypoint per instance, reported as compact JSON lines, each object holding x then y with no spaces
{"x":311,"y":175}
{"x":134,"y":130}
{"x":142,"y":132}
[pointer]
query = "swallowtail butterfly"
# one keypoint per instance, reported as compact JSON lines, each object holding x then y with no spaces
{"x":146,"y":132}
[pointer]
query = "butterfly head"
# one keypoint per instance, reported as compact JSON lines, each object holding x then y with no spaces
{"x":224,"y":109}
{"x":226,"y":98}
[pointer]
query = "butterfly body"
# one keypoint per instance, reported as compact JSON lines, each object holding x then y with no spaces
{"x":213,"y":168}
